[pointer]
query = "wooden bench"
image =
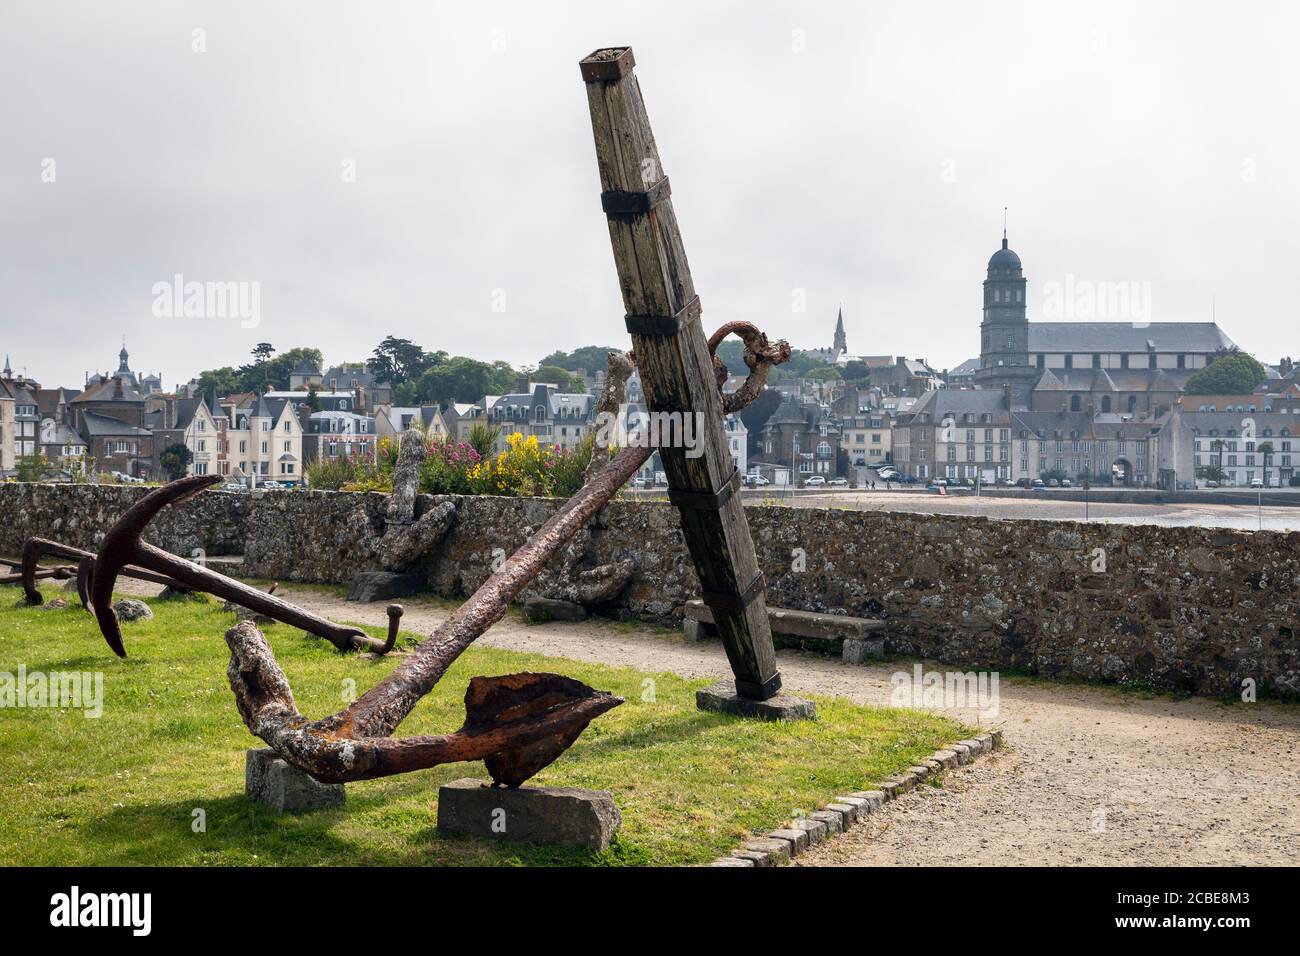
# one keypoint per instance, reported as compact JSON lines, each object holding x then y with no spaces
{"x":855,"y":638}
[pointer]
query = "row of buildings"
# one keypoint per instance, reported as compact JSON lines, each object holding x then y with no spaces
{"x":1102,"y":400}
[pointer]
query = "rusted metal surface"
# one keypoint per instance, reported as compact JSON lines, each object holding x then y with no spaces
{"x":35,"y":548}
{"x":759,"y":356}
{"x":124,"y":547}
{"x":61,"y":573}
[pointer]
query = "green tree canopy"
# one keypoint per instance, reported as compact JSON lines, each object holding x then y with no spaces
{"x":1234,"y":373}
{"x":857,"y":371}
{"x":462,"y":379}
{"x":400,"y":360}
{"x":825,"y":373}
{"x":174,"y":459}
{"x":589,"y":357}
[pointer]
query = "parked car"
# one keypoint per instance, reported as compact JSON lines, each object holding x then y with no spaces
{"x":838,"y":482}
{"x":1053,"y":483}
{"x":233,"y":486}
{"x":1211,"y":484}
{"x":1065,"y":483}
{"x":1257,"y":483}
{"x":638,"y":482}
{"x":1037,"y":484}
{"x":1006,"y":483}
{"x":759,"y":481}
{"x":271,"y":486}
{"x":814,"y":481}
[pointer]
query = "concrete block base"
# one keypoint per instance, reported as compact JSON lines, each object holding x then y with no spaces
{"x":560,"y":816}
{"x":723,"y":698}
{"x":285,"y":788}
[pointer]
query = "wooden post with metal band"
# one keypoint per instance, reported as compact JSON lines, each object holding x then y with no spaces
{"x":663,"y":317}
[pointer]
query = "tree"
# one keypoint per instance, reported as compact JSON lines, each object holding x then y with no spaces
{"x":825,"y":373}
{"x":1230,"y":373}
{"x":174,"y":460}
{"x":589,"y":358}
{"x":1265,"y":448}
{"x":313,"y":397}
{"x":857,"y":372}
{"x":30,"y":467}
{"x":262,"y":353}
{"x":462,"y":379}
{"x":221,"y":381}
{"x":398,"y":361}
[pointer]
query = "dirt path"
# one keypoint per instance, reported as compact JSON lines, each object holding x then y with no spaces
{"x":1090,"y":776}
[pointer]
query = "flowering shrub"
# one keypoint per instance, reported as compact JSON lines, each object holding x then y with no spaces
{"x":451,"y":467}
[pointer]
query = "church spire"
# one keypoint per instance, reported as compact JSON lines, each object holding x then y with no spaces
{"x":841,"y":344}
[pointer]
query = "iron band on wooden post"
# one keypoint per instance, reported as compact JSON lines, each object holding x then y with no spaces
{"x":619,"y":202}
{"x":735,"y":602}
{"x":608,"y":65}
{"x":706,"y":500}
{"x":664,"y":324}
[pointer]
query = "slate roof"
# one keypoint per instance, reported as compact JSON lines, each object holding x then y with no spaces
{"x":103,"y":425}
{"x":1127,"y":337}
{"x":105,"y":391}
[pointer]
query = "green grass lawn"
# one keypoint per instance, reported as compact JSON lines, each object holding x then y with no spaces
{"x":122,"y":789}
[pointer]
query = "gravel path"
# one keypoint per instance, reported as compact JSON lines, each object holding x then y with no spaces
{"x":1090,"y":775}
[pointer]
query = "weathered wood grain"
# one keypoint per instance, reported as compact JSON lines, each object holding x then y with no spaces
{"x":677,"y":376}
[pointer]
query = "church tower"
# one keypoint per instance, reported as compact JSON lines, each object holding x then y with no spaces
{"x":840,"y":346}
{"x":1004,"y":331}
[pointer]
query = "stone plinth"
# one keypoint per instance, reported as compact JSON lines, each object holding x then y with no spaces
{"x":560,"y":816}
{"x":285,"y":788}
{"x":722,"y":697}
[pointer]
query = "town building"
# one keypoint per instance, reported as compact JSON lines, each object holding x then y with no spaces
{"x":803,"y":436}
{"x":334,"y":435}
{"x":556,"y":418}
{"x":391,"y":421}
{"x":1116,"y":366}
{"x":367,"y":392}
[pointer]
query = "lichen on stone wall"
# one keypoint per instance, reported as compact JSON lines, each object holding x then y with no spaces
{"x":1194,"y":609}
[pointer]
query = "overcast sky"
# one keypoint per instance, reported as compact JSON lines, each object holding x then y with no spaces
{"x":820,"y":153}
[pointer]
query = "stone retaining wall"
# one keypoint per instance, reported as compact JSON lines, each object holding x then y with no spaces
{"x":1195,"y":609}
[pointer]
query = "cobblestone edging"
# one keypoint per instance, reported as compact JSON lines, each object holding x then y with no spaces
{"x":778,"y":846}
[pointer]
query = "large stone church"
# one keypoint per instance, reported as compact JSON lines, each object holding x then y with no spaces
{"x":1106,"y":367}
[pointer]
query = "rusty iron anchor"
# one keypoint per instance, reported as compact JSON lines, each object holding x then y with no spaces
{"x":124,"y":547}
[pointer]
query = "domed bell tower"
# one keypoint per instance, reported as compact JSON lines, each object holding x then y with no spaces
{"x":1004,"y":331}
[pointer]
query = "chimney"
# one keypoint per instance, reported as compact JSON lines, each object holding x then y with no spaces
{"x":1006,"y":396}
{"x":117,"y":387}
